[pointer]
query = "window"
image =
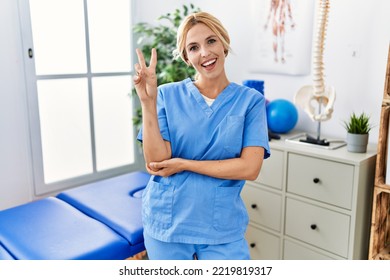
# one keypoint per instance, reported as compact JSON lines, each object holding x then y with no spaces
{"x":78,"y":72}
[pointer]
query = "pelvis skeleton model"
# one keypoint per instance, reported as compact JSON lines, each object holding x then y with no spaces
{"x":318,"y":92}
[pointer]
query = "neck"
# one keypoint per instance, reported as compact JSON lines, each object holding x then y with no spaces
{"x":211,"y":87}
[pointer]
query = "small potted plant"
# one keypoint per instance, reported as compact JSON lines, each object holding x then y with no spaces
{"x":358,"y":128}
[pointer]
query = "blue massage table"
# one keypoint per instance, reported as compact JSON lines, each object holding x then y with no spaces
{"x":97,"y":221}
{"x":4,"y":254}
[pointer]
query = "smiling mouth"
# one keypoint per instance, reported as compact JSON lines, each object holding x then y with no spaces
{"x":209,"y":63}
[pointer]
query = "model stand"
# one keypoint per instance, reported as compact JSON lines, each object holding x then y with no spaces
{"x":318,"y":92}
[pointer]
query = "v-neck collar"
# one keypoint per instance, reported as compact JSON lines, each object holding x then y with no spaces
{"x":208,"y":110}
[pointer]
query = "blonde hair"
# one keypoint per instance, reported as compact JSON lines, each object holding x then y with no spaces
{"x":191,"y":20}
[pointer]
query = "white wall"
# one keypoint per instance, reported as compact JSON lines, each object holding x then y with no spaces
{"x":358,"y":25}
{"x":354,"y":24}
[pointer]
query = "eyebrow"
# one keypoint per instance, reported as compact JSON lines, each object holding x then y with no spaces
{"x":208,"y":38}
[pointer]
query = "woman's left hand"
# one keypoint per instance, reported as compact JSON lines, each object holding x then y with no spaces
{"x":165,"y":168}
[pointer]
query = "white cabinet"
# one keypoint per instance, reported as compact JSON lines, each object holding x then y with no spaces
{"x":311,"y":203}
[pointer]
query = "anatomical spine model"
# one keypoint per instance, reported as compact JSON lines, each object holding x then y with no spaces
{"x":318,"y":92}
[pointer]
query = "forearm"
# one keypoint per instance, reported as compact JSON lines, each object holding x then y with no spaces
{"x":154,"y":146}
{"x":246,"y":167}
{"x":231,"y":169}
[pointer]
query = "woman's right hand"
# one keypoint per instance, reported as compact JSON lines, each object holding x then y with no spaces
{"x":155,"y":148}
{"x":145,"y":81}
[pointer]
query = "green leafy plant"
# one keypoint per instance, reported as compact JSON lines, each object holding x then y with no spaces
{"x":163,"y":38}
{"x":358,"y":124}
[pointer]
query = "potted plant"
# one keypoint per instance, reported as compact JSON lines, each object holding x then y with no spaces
{"x":358,"y":128}
{"x":163,"y":38}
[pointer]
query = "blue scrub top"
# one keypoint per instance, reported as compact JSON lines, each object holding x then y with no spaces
{"x":192,"y":208}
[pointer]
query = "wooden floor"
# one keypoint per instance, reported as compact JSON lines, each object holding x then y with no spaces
{"x":140,"y":256}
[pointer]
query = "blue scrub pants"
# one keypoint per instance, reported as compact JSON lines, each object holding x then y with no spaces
{"x":159,"y":250}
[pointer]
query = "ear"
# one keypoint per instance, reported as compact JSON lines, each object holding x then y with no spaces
{"x":187,"y":61}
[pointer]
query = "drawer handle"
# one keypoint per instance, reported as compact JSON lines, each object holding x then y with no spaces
{"x":313,"y":226}
{"x":252,"y":245}
{"x":254,"y":206}
{"x":316,"y":180}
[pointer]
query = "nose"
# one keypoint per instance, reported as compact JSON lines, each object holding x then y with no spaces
{"x":204,"y":52}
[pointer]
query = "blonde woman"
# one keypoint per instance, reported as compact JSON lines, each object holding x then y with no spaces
{"x":202,"y":139}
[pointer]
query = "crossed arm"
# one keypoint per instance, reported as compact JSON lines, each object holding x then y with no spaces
{"x":246,"y":167}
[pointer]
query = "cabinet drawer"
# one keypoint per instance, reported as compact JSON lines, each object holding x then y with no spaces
{"x":294,"y":251}
{"x":318,"y":226}
{"x":271,"y":173}
{"x":262,"y":245}
{"x":264,"y":207}
{"x":319,"y":179}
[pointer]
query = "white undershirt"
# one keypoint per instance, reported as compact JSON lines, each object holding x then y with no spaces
{"x":208,"y":100}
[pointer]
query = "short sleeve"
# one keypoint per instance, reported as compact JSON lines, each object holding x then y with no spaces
{"x":255,"y":127}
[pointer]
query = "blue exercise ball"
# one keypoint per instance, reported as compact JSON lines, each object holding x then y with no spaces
{"x":282,"y":115}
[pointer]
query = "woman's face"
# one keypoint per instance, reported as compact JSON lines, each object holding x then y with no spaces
{"x":205,"y":51}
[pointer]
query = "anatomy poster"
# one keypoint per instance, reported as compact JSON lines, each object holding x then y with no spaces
{"x":282,"y":36}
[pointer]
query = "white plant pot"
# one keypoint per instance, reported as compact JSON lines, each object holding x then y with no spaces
{"x":357,"y":143}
